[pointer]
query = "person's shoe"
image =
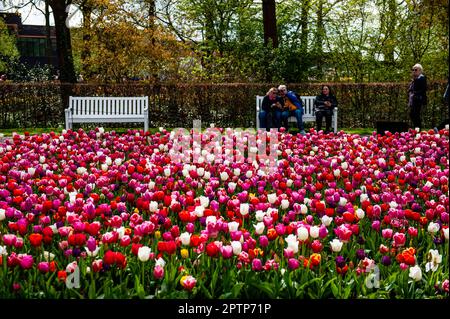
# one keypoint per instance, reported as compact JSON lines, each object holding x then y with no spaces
{"x":303,"y":132}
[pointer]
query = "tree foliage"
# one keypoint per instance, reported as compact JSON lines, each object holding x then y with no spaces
{"x":226,"y":41}
{"x":8,"y":49}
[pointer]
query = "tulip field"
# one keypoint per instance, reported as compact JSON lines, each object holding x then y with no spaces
{"x":106,"y":215}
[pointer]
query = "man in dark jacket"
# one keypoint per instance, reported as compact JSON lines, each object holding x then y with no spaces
{"x":417,"y":94}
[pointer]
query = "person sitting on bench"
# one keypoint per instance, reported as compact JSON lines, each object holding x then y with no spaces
{"x":324,"y":105}
{"x":293,"y":107}
{"x":271,"y":106}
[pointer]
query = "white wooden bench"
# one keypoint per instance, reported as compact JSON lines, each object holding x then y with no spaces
{"x":107,"y":110}
{"x":308,"y":109}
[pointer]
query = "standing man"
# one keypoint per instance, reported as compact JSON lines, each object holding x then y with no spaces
{"x":293,"y":107}
{"x":417,"y":94}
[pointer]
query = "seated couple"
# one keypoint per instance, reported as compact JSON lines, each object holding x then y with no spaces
{"x":277,"y":106}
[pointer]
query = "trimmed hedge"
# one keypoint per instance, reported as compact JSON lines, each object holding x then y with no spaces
{"x":226,"y":105}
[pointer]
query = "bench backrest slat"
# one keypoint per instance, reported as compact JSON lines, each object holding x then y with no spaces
{"x":108,"y":105}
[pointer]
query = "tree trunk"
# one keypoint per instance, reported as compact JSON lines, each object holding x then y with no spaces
{"x":86,"y":9}
{"x":48,"y":40}
{"x":151,"y":13}
{"x":270,"y":23}
{"x":66,"y":66}
{"x":304,"y":26}
{"x":319,"y":38}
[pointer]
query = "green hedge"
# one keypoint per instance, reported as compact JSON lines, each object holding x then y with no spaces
{"x":226,"y":105}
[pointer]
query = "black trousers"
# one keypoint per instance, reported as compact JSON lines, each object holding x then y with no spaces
{"x":415,"y":115}
{"x":320,"y":115}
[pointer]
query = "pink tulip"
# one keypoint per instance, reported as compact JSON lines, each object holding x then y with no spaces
{"x":43,"y":267}
{"x":9,"y":239}
{"x":25,"y":261}
{"x":399,"y":239}
{"x":226,"y":251}
{"x":263,"y":241}
{"x":386,"y":233}
{"x":257,"y":264}
{"x":158,"y":272}
{"x":293,"y":263}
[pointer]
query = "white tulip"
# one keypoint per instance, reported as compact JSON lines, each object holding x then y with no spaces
{"x":237,"y":247}
{"x":210,"y":220}
{"x":232,"y":186}
{"x":284,"y":204}
{"x":233,"y":226}
{"x":326,"y":220}
{"x":415,"y":273}
{"x":204,"y":201}
{"x":445,"y":230}
{"x":272,"y":198}
{"x":360,"y":213}
{"x":259,"y":228}
{"x":224,"y":176}
{"x":3,"y":251}
{"x":244,"y":209}
{"x":336,"y":245}
{"x":207,"y":175}
{"x":200,"y":171}
{"x":31,"y":171}
{"x":42,"y":159}
{"x":121,"y":232}
{"x":199,"y":211}
{"x":259,"y":215}
{"x":144,"y":253}
{"x":303,"y":209}
{"x":237,"y":172}
{"x":292,"y":242}
{"x":153,"y":206}
{"x":151,"y":185}
{"x":433,"y":227}
{"x":167,"y":172}
{"x":48,"y":256}
{"x":118,"y":161}
{"x":337,"y":172}
{"x":2,"y":214}
{"x":249,"y":174}
{"x":185,"y":238}
{"x":302,"y":233}
{"x":160,"y":262}
{"x":314,"y":231}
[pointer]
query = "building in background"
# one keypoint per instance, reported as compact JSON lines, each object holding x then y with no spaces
{"x":31,"y":41}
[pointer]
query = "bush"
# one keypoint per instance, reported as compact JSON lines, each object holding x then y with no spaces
{"x":226,"y":105}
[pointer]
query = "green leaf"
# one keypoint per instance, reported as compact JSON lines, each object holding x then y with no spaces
{"x":91,"y":292}
{"x":265,"y":287}
{"x":236,"y":290}
{"x":334,"y":289}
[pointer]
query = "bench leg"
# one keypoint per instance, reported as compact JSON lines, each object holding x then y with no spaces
{"x":335,"y":121}
{"x":145,"y":126}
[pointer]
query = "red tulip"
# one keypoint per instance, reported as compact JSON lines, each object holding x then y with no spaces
{"x":35,"y":239}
